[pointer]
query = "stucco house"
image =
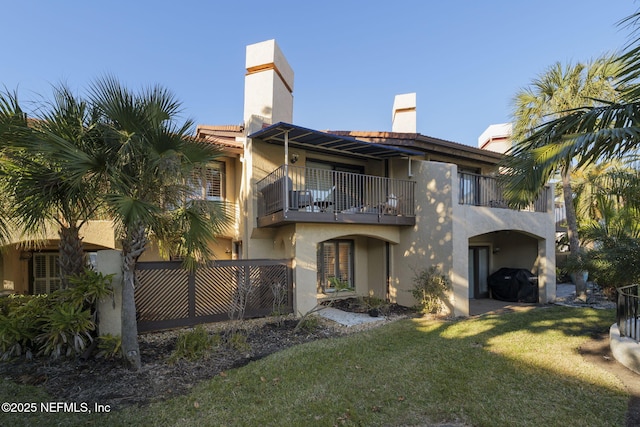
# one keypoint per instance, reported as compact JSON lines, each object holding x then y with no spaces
{"x":368,"y":209}
{"x":364,"y":210}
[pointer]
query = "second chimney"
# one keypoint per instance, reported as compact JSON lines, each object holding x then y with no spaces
{"x":404,"y":113}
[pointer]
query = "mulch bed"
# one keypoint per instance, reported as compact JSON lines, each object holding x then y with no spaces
{"x":109,"y":382}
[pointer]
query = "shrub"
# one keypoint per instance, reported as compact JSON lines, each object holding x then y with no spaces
{"x":109,"y":346}
{"x":16,"y":336}
{"x":236,"y":340}
{"x":308,"y":324}
{"x":339,"y":285}
{"x":67,"y":330}
{"x":59,"y":324}
{"x":194,"y":344}
{"x":614,"y":263}
{"x":87,"y":288}
{"x":21,"y":322}
{"x":280,"y":301}
{"x":429,"y":289}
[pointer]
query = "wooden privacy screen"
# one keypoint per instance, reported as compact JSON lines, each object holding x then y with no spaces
{"x":168,"y":296}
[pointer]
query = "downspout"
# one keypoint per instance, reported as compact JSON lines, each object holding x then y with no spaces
{"x":286,"y":173}
{"x":387,"y":251}
{"x":387,"y":260}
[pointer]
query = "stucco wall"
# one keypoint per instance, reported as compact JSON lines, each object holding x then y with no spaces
{"x":517,"y":231}
{"x":430,"y":241}
{"x":444,"y":228}
{"x":440,"y":236}
{"x":110,"y":308}
{"x":95,"y":234}
{"x":368,"y":263}
{"x":15,"y":271}
{"x":377,"y":272}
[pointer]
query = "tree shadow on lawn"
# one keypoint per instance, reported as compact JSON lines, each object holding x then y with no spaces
{"x":535,"y":339}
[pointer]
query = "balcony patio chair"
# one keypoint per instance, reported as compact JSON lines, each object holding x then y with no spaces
{"x":391,"y":206}
{"x":300,"y":199}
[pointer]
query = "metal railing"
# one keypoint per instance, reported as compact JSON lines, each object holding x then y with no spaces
{"x":484,"y":190}
{"x":627,"y":311}
{"x":560,"y":213}
{"x":324,"y":190}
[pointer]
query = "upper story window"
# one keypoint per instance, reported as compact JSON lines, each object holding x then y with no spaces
{"x":209,"y":183}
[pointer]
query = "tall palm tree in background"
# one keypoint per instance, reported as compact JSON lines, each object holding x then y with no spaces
{"x":551,"y":95}
{"x":150,"y":160}
{"x":36,"y":181}
{"x":592,"y":133}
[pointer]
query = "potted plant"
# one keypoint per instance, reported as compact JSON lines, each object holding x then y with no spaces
{"x":375,"y":306}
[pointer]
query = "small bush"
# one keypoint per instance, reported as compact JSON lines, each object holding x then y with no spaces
{"x":612,"y":264}
{"x":87,"y":288}
{"x":308,"y":324}
{"x":375,"y":306}
{"x":429,"y":289}
{"x":237,"y":341}
{"x":194,"y":344}
{"x":21,"y":322}
{"x":16,"y":336}
{"x":66,"y":331}
{"x":109,"y":346}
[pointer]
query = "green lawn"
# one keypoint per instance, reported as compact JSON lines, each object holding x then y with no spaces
{"x":516,"y":369}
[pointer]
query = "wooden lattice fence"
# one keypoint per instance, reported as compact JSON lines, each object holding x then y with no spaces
{"x":168,"y":296}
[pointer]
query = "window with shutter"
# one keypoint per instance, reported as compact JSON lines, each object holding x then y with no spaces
{"x":46,"y":273}
{"x":208,"y":182}
{"x":335,"y":265}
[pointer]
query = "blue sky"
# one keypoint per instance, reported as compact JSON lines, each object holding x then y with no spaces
{"x":464,"y":59}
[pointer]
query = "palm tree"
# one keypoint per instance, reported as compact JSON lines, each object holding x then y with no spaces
{"x":593,"y":132}
{"x":556,"y":91}
{"x":34,"y":178}
{"x":150,"y":163}
{"x":13,"y":125}
{"x":609,"y":200}
{"x":138,"y":162}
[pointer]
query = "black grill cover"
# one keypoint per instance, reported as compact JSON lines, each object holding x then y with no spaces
{"x":513,"y":285}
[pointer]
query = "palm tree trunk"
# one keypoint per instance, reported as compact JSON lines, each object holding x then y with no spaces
{"x":71,"y":255}
{"x":132,"y":247}
{"x":572,"y":229}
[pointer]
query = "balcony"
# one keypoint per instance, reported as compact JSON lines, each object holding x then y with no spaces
{"x":329,"y":196}
{"x":484,"y":190}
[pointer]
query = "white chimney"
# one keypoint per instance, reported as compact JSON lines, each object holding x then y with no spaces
{"x":404,"y":113}
{"x":496,"y":138}
{"x":268,"y":86}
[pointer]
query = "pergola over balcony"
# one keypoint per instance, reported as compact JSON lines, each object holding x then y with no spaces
{"x":314,"y":140}
{"x":298,"y":194}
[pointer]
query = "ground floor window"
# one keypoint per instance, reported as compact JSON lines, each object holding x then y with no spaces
{"x":46,"y":273}
{"x":236,"y":251}
{"x":335,"y":265}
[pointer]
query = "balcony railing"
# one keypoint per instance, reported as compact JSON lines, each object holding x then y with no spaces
{"x":322,"y":195}
{"x":628,"y":315}
{"x":483,"y":190}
